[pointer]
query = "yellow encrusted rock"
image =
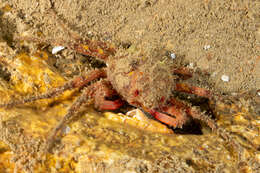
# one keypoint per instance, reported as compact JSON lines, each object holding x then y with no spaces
{"x":109,"y":142}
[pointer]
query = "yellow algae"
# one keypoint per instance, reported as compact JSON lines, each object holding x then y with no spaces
{"x":6,"y":8}
{"x":100,"y":51}
{"x":256,"y":140}
{"x":5,"y":158}
{"x":85,"y":46}
{"x":33,"y":76}
{"x":32,"y":69}
{"x":240,"y":118}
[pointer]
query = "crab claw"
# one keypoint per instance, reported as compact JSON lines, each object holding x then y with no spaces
{"x":170,"y":115}
{"x":175,"y":114}
{"x":111,"y":105}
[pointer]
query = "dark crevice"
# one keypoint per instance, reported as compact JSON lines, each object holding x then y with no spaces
{"x":4,"y":73}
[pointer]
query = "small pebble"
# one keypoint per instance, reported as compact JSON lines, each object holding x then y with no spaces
{"x":173,"y":56}
{"x":56,"y":49}
{"x":206,"y":47}
{"x":258,"y":93}
{"x":225,"y":78}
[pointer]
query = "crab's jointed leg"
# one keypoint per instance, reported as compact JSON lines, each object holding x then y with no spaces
{"x":77,"y":82}
{"x":94,"y":48}
{"x":172,"y":116}
{"x":184,"y":72}
{"x":98,"y":92}
{"x":102,"y":91}
{"x":97,"y":49}
{"x":67,"y":118}
{"x":177,"y":113}
{"x":182,"y":87}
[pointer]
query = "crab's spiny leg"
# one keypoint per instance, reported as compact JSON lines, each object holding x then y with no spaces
{"x":104,"y":90}
{"x":197,"y":114}
{"x":81,"y":81}
{"x":72,"y":111}
{"x":54,"y":92}
{"x":94,"y":48}
{"x":98,"y":49}
{"x":97,"y":92}
{"x":182,"y":87}
{"x":65,"y":28}
{"x":77,"y":82}
{"x":171,"y":116}
{"x":184,"y":72}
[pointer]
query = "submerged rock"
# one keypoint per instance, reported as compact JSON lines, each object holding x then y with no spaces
{"x":98,"y":142}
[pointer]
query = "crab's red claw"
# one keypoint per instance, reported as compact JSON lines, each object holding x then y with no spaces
{"x":111,"y":105}
{"x":171,"y":115}
{"x":164,"y":118}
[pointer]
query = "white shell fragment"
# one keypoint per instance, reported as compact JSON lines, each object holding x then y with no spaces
{"x":258,"y":93}
{"x":225,"y":78}
{"x":56,"y":49}
{"x":173,"y":56}
{"x":206,"y":47}
{"x":138,"y":114}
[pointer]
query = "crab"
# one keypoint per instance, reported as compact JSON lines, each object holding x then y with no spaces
{"x":143,"y":82}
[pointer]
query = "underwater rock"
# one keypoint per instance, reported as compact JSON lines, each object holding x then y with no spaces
{"x":101,"y":142}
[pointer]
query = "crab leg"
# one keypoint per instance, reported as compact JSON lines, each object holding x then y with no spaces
{"x":88,"y":47}
{"x":184,"y":72}
{"x":66,"y":119}
{"x":96,"y":49}
{"x":170,"y":120}
{"x":176,"y":114}
{"x":182,"y":87}
{"x":110,"y":105}
{"x":79,"y":81}
{"x":98,"y":92}
{"x":195,"y":113}
{"x":102,"y":91}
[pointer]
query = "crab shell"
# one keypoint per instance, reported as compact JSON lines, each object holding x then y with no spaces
{"x":145,"y":82}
